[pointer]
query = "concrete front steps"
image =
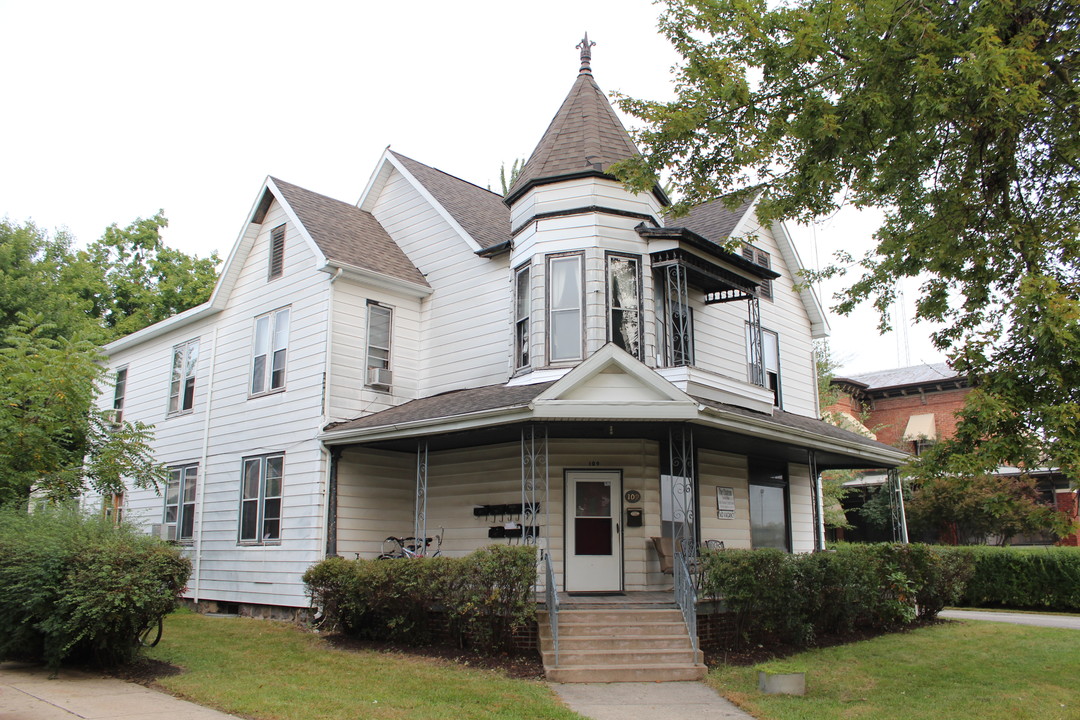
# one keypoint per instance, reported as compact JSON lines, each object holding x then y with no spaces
{"x":609,"y":643}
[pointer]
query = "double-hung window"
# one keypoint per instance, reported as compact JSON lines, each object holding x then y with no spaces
{"x":522,"y":303}
{"x":119,"y":390}
{"x":624,"y":303}
{"x":674,"y":320}
{"x":180,"y":502}
{"x":770,"y":356}
{"x":260,"y":499}
{"x":185,"y":357}
{"x":271,"y":348}
{"x":768,"y":486}
{"x":564,"y":308}
{"x":380,"y":328}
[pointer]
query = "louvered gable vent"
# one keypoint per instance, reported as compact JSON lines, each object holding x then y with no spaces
{"x":277,"y":251}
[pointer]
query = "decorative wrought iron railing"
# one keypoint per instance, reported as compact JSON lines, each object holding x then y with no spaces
{"x":686,"y":596}
{"x":551,"y":598}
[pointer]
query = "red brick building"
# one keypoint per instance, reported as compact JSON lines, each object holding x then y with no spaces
{"x":913,"y":407}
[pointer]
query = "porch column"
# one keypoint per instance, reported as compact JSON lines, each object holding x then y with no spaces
{"x":757,"y":348}
{"x":683,"y":510}
{"x":680,"y":343}
{"x":819,"y":502}
{"x":896,"y":496}
{"x":420,"y":515}
{"x":534,"y":484}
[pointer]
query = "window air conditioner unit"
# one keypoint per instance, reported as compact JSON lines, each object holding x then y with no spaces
{"x":380,"y":376}
{"x":163,"y":531}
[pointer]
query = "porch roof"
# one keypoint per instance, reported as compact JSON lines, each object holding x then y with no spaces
{"x":491,"y":414}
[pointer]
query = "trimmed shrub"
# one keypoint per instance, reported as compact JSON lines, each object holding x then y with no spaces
{"x":80,"y":588}
{"x":482,"y":597}
{"x":1025,"y":578}
{"x":796,"y":599}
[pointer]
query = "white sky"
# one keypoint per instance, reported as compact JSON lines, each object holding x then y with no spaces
{"x":116,"y":109}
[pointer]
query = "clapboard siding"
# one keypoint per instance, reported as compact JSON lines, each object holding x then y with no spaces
{"x":467,"y":288}
{"x":801,"y":500}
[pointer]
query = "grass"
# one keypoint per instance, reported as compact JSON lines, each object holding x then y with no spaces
{"x":952,"y":671}
{"x":277,"y":671}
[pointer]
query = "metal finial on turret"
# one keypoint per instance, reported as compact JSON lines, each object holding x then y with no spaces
{"x":586,"y":55}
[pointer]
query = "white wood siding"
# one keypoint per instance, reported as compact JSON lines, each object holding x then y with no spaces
{"x":241,"y":426}
{"x":465,"y":337}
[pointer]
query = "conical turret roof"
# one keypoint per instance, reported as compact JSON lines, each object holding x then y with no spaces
{"x":584,"y":138}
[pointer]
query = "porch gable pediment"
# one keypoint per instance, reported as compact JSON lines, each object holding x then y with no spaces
{"x":613,"y":384}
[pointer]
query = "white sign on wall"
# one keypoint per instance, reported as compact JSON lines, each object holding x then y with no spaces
{"x":725,"y":503}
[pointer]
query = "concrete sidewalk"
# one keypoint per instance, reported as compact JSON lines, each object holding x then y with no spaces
{"x":1040,"y":619}
{"x":27,"y":693}
{"x":647,"y":701}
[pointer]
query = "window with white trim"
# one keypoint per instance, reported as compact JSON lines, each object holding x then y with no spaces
{"x":565,"y":327}
{"x":270,"y":352}
{"x":277,"y":252}
{"x":260,"y":499}
{"x":770,"y":347}
{"x":674,"y":326}
{"x":380,"y":331}
{"x":185,"y":357}
{"x":624,"y":303}
{"x":522,"y":303}
{"x":180,"y":502}
{"x":112,"y":507}
{"x":119,"y":390}
{"x":762,"y":258}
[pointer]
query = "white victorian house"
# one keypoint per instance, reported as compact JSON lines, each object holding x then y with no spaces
{"x":439,"y":356}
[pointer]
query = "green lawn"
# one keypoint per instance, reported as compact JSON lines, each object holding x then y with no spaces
{"x":954,"y":671}
{"x":276,"y":671}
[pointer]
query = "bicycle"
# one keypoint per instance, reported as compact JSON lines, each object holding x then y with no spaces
{"x":408,"y":547}
{"x":150,"y":635}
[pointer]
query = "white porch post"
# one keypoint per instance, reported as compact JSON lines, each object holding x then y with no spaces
{"x":420,"y":515}
{"x":899,"y":518}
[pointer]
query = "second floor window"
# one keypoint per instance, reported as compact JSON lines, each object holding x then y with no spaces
{"x":624,"y":303}
{"x":119,"y":390}
{"x":564,"y":308}
{"x":674,"y":320}
{"x":522,"y":302}
{"x":270,"y":352}
{"x":770,"y":351}
{"x":185,"y":357}
{"x":380,"y":325}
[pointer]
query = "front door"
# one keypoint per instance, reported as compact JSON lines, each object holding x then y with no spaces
{"x":593,"y":560}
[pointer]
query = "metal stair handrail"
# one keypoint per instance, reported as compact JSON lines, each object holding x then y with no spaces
{"x":551,"y":596}
{"x":686,"y":596}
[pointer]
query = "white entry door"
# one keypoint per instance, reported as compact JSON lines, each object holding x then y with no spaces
{"x":593,"y":561}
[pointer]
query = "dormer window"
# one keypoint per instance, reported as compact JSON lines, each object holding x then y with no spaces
{"x":564,"y":308}
{"x":624,"y":303}
{"x":277,"y":252}
{"x":522,"y":301}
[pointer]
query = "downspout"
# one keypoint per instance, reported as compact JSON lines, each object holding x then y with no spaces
{"x":329,"y":530}
{"x":202,"y":465}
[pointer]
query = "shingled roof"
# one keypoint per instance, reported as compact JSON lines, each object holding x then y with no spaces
{"x":584,"y":138}
{"x":480,"y":212}
{"x":713,"y":220}
{"x":349,"y":235}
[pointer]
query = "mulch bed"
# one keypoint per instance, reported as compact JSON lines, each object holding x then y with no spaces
{"x":512,"y":665}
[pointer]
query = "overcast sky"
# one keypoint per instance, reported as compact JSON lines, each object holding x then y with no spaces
{"x":114,"y":110}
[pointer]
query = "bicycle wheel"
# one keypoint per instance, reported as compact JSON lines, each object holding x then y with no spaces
{"x":151,"y":634}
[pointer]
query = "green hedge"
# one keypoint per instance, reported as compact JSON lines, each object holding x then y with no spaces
{"x":1025,"y":578}
{"x":797,"y":599}
{"x":482,"y":597}
{"x":79,"y":588}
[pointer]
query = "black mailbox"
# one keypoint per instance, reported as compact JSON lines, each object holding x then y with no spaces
{"x":634,"y":517}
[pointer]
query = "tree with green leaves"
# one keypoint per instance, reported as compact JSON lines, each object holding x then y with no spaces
{"x":53,"y":440}
{"x":960,"y":121}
